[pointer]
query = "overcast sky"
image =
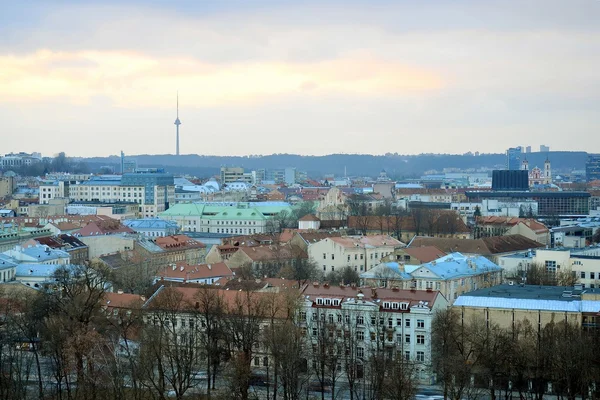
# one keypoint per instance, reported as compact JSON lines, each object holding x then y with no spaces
{"x":308,"y":77}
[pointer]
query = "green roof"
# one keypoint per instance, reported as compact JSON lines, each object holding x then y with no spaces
{"x":211,"y":211}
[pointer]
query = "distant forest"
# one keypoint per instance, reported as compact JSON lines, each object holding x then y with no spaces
{"x":397,"y":166}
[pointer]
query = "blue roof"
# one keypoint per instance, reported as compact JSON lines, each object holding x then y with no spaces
{"x":36,"y":270}
{"x":456,"y":265}
{"x":7,"y":261}
{"x":150,"y":223}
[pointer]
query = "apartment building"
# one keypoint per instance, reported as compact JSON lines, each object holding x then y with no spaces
{"x":585,"y":263}
{"x":152,"y":189}
{"x":397,"y":322}
{"x":359,"y":252}
{"x":452,"y":275}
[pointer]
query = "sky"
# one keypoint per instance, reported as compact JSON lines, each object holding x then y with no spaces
{"x":92,"y":78}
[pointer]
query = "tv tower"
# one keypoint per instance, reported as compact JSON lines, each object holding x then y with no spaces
{"x":177,"y":123}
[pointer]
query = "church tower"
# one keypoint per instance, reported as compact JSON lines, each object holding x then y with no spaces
{"x":547,"y":172}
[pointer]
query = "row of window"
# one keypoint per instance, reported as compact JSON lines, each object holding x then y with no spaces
{"x":360,"y":319}
{"x":583,"y":275}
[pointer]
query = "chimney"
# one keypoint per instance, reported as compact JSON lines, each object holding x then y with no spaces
{"x":120,"y":291}
{"x":181,"y":268}
{"x":209,"y":266}
{"x":143,"y":298}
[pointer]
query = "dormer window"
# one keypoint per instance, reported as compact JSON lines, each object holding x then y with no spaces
{"x":336,"y":302}
{"x":327,"y":302}
{"x":395,"y":306}
{"x":404,"y":306}
{"x":320,"y":302}
{"x":386,"y":305}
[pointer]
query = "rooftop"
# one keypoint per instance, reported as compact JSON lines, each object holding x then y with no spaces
{"x":531,"y":297}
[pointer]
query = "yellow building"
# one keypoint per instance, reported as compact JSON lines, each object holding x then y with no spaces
{"x":507,"y":305}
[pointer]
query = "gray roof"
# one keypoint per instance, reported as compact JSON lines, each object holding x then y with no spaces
{"x":530,"y":297}
{"x":150,"y":223}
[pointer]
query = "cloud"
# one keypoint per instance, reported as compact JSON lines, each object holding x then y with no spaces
{"x":138,"y":80}
{"x":311,"y":77}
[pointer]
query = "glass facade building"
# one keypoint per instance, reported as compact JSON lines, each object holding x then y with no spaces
{"x":549,"y":203}
{"x":592,"y":167}
{"x":513,"y":158}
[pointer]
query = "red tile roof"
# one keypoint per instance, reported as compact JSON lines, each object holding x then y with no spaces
{"x":312,"y":291}
{"x":425,"y":254}
{"x":309,"y":217}
{"x":183,"y":271}
{"x":178,"y":242}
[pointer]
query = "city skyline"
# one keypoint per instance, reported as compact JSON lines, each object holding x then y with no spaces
{"x":92,"y":78}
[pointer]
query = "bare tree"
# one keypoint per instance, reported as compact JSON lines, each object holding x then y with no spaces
{"x":242,"y":329}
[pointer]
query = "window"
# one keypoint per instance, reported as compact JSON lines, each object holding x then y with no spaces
{"x":303,"y":315}
{"x":362,"y":256}
{"x":331,"y":318}
{"x":420,"y":339}
{"x":339,"y":318}
{"x":407,"y":355}
{"x":421,"y":324}
{"x":390,"y":322}
{"x":360,"y":320}
{"x":324,"y":256}
{"x":256,"y":362}
{"x":375,"y":255}
{"x":348,"y":257}
{"x":360,"y":335}
{"x":360,"y":352}
{"x":407,"y":323}
{"x":327,"y":302}
{"x":550,"y":266}
{"x":347,"y":319}
{"x":372,"y":320}
{"x":399,"y":321}
{"x":332,"y":256}
{"x":582,"y":274}
{"x":407,"y":339}
{"x":592,"y":275}
{"x":314,"y":331}
{"x":420,"y":356}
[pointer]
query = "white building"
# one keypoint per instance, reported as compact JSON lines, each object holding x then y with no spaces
{"x":38,"y":254}
{"x":359,"y":252}
{"x":395,"y":321}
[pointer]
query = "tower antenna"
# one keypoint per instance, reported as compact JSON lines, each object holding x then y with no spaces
{"x":177,"y":123}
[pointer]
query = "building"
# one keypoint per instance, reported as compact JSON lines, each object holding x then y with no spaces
{"x":78,"y":250}
{"x":235,"y":174}
{"x":550,"y":204}
{"x":265,"y":258}
{"x":513,"y":158}
{"x":116,"y":210}
{"x":152,"y":189}
{"x":8,"y":268}
{"x":586,"y":267}
{"x":358,"y":252}
{"x":592,"y":167}
{"x":37,"y":275}
{"x":510,"y":179}
{"x":230,"y":218}
{"x":38,"y":254}
{"x":415,"y":255}
{"x":451,"y":275}
{"x":491,"y":247}
{"x":396,"y":321}
{"x":309,"y":223}
{"x":152,"y":227}
{"x":538,"y":176}
{"x":206,"y":274}
{"x":8,"y":185}
{"x":12,"y":160}
{"x":509,"y":305}
{"x":544,"y":149}
{"x":502,"y":226}
{"x":168,"y":250}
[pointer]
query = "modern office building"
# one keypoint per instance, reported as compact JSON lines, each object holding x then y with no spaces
{"x":550,"y":204}
{"x":592,"y":167}
{"x":513,"y":158}
{"x":510,"y":180}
